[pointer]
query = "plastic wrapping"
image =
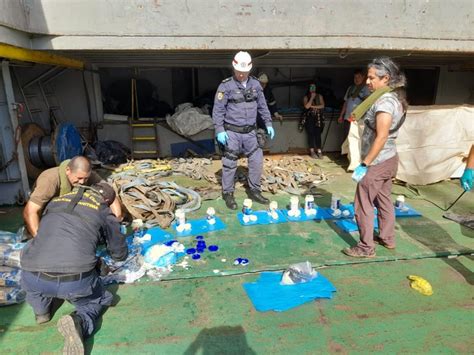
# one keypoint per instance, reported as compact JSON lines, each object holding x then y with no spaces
{"x":10,"y":237}
{"x":299,"y":273}
{"x":11,"y":295}
{"x":10,"y":254}
{"x":163,"y":255}
{"x":9,"y":276}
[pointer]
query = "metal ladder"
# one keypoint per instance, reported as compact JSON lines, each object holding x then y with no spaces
{"x":143,"y":133}
{"x":41,"y":100}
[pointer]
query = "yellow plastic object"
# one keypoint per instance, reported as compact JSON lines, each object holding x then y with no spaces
{"x":421,"y":285}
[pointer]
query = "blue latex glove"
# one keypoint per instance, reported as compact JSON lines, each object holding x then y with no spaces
{"x":271,"y":132}
{"x":359,"y":173}
{"x":222,"y":138}
{"x":466,"y":179}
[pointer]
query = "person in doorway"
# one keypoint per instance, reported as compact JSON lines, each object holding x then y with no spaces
{"x":268,"y":93}
{"x":313,"y":118}
{"x":237,"y":102}
{"x":467,"y":176}
{"x":57,"y":181}
{"x":383,"y":114}
{"x":355,"y":94}
{"x":60,"y":262}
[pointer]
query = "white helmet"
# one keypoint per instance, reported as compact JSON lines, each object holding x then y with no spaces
{"x":242,"y":62}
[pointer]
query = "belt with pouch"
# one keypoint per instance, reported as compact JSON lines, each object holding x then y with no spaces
{"x":239,"y":129}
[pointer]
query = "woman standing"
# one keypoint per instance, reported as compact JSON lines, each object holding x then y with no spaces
{"x":383,"y":113}
{"x":314,"y":121}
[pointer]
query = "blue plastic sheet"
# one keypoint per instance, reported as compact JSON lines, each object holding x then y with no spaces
{"x":329,"y":212}
{"x":165,"y":260}
{"x":350,"y":225}
{"x":407,"y":212}
{"x":267,"y":294}
{"x":68,"y":142}
{"x":200,"y":226}
{"x":157,"y":236}
{"x":263,"y":217}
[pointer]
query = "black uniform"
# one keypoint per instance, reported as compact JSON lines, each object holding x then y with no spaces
{"x":60,"y":261}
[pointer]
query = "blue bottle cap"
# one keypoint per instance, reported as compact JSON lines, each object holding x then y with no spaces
{"x":170,"y":242}
{"x":213,"y":248}
{"x":190,"y":251}
{"x":237,"y":261}
{"x":244,"y":262}
{"x":200,"y":237}
{"x":196,"y":256}
{"x":201,"y":244}
{"x":200,"y":250}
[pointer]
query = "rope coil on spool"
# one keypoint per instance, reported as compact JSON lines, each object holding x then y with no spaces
{"x":45,"y":151}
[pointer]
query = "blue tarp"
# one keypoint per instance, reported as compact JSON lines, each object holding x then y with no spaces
{"x":267,"y":294}
{"x":350,"y":225}
{"x":68,"y":142}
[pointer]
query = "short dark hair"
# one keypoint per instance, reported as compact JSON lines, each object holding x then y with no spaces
{"x":359,"y":71}
{"x":107,"y":192}
{"x":80,"y":162}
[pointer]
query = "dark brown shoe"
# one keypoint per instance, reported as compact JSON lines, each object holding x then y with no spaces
{"x":357,"y":252}
{"x":379,"y":241}
{"x":42,"y":318}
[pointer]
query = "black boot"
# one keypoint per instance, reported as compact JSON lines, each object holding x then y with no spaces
{"x":70,"y":328}
{"x":257,"y":196}
{"x":229,"y":200}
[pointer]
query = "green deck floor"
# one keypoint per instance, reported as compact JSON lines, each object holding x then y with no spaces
{"x":374,"y":310}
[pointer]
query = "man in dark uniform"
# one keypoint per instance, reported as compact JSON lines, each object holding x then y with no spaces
{"x":60,"y":262}
{"x":237,"y":102}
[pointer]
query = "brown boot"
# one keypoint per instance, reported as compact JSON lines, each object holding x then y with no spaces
{"x":357,"y":252}
{"x":379,"y":241}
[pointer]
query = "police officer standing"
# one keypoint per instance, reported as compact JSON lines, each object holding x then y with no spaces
{"x":237,"y":102}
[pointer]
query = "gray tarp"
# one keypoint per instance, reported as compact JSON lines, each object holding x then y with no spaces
{"x":189,"y":120}
{"x":431,"y":144}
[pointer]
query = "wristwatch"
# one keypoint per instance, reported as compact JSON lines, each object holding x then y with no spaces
{"x":363,"y":164}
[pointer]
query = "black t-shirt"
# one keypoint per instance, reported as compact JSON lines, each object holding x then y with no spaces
{"x":67,"y":239}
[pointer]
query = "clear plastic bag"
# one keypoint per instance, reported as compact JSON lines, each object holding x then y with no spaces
{"x":298,"y":273}
{"x":10,"y":237}
{"x":11,"y":295}
{"x":9,"y":276}
{"x":10,"y":254}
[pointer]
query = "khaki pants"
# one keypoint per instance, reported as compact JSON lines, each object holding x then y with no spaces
{"x":374,"y":190}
